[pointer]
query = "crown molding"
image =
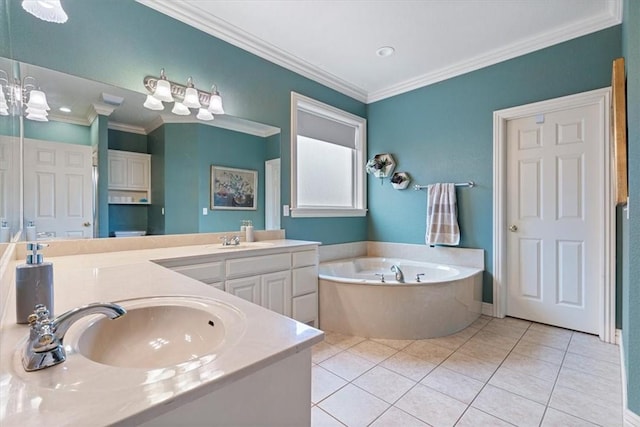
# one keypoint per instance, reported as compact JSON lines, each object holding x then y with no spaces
{"x":221,"y":121}
{"x":195,"y":17}
{"x":127,"y":128}
{"x":103,"y":109}
{"x":509,"y":52}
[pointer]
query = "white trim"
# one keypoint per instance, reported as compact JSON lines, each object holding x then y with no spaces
{"x":192,"y":15}
{"x":500,"y":118}
{"x":320,"y":213}
{"x":126,"y":128}
{"x":487,"y":309}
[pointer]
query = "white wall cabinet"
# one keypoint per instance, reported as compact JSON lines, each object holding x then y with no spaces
{"x":284,"y":281}
{"x":129,"y":177}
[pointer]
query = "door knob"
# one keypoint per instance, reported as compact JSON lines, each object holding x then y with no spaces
{"x":87,"y":224}
{"x":513,"y":228}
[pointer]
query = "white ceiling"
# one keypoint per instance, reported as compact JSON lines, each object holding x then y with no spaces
{"x":334,"y":41}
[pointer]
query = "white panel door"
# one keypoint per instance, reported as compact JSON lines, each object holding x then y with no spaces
{"x":58,"y":189}
{"x":247,"y":288}
{"x":555,"y":217}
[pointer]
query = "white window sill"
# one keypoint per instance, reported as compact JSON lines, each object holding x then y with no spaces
{"x":325,"y":213}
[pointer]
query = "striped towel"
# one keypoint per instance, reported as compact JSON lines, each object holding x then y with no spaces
{"x":442,"y":215}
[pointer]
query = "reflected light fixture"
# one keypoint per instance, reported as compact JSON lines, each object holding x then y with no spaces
{"x":13,"y":96}
{"x":47,"y":10}
{"x":185,"y":97}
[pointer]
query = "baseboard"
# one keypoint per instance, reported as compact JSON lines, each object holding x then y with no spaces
{"x":630,"y":418}
{"x":487,"y":309}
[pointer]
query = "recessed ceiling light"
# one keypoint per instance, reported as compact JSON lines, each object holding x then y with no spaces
{"x":65,"y":109}
{"x":385,"y":51}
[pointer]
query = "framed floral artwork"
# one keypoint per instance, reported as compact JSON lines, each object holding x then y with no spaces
{"x":233,"y":188}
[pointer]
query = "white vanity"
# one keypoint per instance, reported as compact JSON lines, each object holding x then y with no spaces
{"x":260,"y":375}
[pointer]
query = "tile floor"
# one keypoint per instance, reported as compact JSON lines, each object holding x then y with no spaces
{"x":497,"y":372}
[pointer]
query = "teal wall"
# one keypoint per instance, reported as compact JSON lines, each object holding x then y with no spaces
{"x":127,"y":141}
{"x":119,"y":42}
{"x":444,"y":133}
{"x":156,"y":146}
{"x":100,"y":139}
{"x":631,"y":286}
{"x":58,"y":132}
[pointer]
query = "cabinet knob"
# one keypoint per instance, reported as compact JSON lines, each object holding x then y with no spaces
{"x":513,"y":228}
{"x":87,"y":224}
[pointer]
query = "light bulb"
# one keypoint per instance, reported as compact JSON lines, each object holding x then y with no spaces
{"x":191,"y":98}
{"x":163,"y":91}
{"x":39,"y":116}
{"x":38,"y":100}
{"x":215,"y":103}
{"x":47,"y":10}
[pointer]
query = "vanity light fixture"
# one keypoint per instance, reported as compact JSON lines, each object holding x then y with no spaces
{"x":13,"y":96}
{"x":185,"y":97}
{"x":47,"y":10}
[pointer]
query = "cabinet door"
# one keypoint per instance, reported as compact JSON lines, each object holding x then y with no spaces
{"x":305,"y":280}
{"x":117,"y":171}
{"x":138,"y":172}
{"x":305,"y":308}
{"x":276,"y":292}
{"x":247,"y":288}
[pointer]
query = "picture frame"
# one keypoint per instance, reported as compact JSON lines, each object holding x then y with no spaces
{"x":619,"y":130}
{"x":232,"y":188}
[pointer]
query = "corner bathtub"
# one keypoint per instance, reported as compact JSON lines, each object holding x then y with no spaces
{"x":354,"y":301}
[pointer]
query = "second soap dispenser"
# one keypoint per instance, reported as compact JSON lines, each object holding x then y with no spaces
{"x":34,"y":284}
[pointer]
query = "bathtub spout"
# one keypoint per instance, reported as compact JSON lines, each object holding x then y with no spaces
{"x":399,"y":274}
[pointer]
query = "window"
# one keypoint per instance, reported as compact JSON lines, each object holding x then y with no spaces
{"x":328,"y":149}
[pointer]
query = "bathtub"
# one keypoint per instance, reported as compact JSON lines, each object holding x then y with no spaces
{"x":353,"y":300}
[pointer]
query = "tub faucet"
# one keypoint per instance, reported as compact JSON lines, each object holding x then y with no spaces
{"x":399,"y":274}
{"x":44,"y":347}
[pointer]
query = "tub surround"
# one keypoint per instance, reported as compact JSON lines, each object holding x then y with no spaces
{"x":82,"y":392}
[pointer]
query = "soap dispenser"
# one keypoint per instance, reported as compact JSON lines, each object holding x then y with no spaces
{"x":34,"y":284}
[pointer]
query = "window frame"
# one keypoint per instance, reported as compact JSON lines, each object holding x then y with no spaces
{"x":359,"y":207}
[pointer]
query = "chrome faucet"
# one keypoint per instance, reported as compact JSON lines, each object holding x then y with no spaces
{"x":399,"y":274}
{"x":44,"y":348}
{"x":233,"y":241}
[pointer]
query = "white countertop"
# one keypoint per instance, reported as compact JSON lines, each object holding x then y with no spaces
{"x":82,"y":392}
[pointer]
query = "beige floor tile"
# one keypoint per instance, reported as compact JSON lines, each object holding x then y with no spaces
{"x":395,"y":417}
{"x":553,"y":330}
{"x":585,"y":406}
{"x":550,"y":339}
{"x":385,"y":384}
{"x":411,"y":367}
{"x":512,"y":322}
{"x":608,"y":389}
{"x":319,"y":418}
{"x":323,"y":351}
{"x":454,"y":341}
{"x":495,"y":340}
{"x":323,"y":383}
{"x":533,"y":367}
{"x":591,"y":366}
{"x":470,"y":366}
{"x":476,"y":418}
{"x":591,"y":346}
{"x":341,"y":341}
{"x":431,"y":406}
{"x":353,"y":406}
{"x":539,"y":351}
{"x":555,"y":418}
{"x":532,"y":388}
{"x":347,"y":365}
{"x":373,"y":351}
{"x":453,"y":384}
{"x":509,"y":407}
{"x":481,"y":322}
{"x":504,"y":330}
{"x":397,"y":344}
{"x":482,"y":351}
{"x":428,"y":351}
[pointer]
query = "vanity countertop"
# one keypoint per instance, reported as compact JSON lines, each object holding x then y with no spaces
{"x":82,"y":392}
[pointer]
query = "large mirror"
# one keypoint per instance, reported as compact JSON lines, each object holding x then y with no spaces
{"x":69,"y":180}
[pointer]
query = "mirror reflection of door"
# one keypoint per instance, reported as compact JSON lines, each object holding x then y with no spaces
{"x":272,"y":194}
{"x":58,"y":189}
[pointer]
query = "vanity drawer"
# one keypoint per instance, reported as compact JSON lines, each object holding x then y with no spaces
{"x":209,"y":272}
{"x":305,"y":280}
{"x":258,"y":265}
{"x":304,"y":258}
{"x":305,"y":308}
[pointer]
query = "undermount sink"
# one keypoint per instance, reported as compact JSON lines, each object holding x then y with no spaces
{"x":159,"y":332}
